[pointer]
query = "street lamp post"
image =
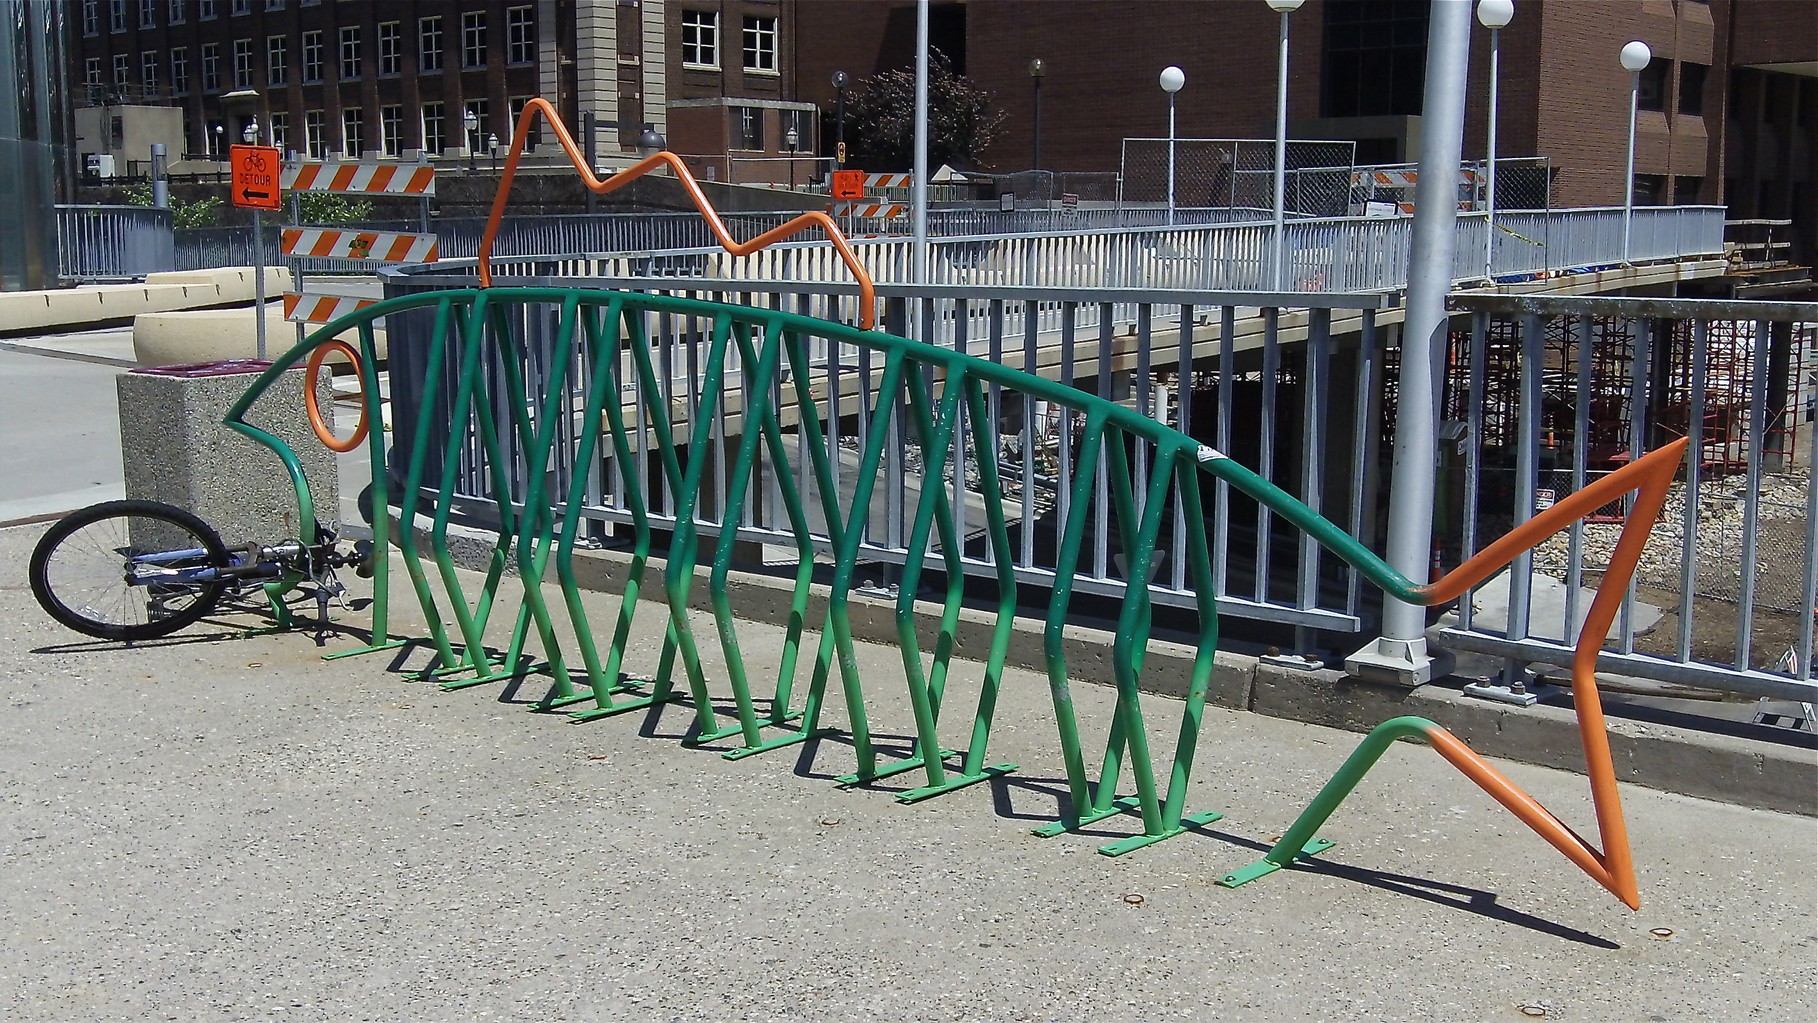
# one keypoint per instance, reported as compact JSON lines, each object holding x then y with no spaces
{"x":1037,"y":70}
{"x":1172,"y":78}
{"x":492,"y":143}
{"x":792,"y":139}
{"x":250,"y":133}
{"x":1634,"y":57}
{"x":839,"y":119}
{"x":220,"y":150}
{"x":649,"y":142}
{"x":1283,"y":8}
{"x":471,"y":121}
{"x":1493,"y":15}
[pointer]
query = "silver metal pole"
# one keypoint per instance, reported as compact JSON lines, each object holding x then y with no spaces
{"x":1400,"y":655}
{"x":918,"y":188}
{"x":1628,"y":183}
{"x":1489,"y":170}
{"x":160,"y":175}
{"x":1281,"y":157}
{"x":1170,"y":159}
{"x":259,"y":277}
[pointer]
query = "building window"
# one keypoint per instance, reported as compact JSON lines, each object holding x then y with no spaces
{"x":760,"y":45}
{"x":353,"y":138}
{"x":1650,"y":189}
{"x":312,"y":134}
{"x":520,"y":36}
{"x":1686,"y":189}
{"x":312,"y":56}
{"x":91,"y":17}
{"x":1691,"y":88}
{"x":120,"y":69}
{"x":176,"y":13}
{"x":205,"y":10}
{"x":242,"y":63}
{"x":1652,"y":89}
{"x":211,"y":67}
{"x":148,"y":71}
{"x":701,"y":39}
{"x":391,"y":47}
{"x":179,"y":70}
{"x":748,"y":126}
{"x":435,"y":137}
{"x":473,"y":39}
{"x":274,"y":5}
{"x":350,"y":51}
{"x":1375,"y":60}
{"x":280,"y":129}
{"x":116,"y":16}
{"x":94,"y":71}
{"x":391,"y":130}
{"x":277,"y":60}
{"x":429,"y":44}
{"x":148,"y":13}
{"x":242,"y":7}
{"x":533,"y":134}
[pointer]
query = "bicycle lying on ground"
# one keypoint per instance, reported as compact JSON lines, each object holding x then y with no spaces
{"x":134,"y":570}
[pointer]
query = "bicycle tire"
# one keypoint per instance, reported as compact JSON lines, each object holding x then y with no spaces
{"x":80,"y":578}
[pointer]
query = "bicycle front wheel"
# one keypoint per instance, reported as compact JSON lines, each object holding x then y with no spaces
{"x":128,"y":570}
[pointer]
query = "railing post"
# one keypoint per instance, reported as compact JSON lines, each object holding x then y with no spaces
{"x":1400,"y":655}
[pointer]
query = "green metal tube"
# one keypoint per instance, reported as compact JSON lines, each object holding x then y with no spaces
{"x":1054,"y":645}
{"x":1343,"y":782}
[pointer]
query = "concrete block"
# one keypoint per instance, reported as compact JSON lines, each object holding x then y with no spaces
{"x":176,"y":449}
{"x":210,"y":335}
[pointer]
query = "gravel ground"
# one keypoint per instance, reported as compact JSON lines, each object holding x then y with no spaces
{"x":214,"y":828}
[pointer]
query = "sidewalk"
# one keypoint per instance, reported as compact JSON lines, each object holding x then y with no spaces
{"x":215,"y":829}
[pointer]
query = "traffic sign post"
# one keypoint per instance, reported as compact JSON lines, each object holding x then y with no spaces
{"x":255,"y":186}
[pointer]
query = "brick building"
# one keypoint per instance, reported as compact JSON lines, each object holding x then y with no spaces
{"x":367,"y":80}
{"x":1729,"y":104}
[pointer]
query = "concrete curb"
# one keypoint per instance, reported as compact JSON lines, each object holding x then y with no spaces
{"x":1731,"y":769}
{"x":26,"y":313}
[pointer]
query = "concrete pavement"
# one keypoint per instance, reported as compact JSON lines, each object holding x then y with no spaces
{"x":60,"y":422}
{"x":210,"y":828}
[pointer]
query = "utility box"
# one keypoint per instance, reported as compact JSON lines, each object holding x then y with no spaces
{"x":176,"y":448}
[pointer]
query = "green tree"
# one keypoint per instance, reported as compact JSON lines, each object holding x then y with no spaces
{"x":333,"y":208}
{"x":880,"y":118}
{"x":201,"y":213}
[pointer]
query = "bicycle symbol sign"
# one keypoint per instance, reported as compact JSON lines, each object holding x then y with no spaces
{"x":255,"y":176}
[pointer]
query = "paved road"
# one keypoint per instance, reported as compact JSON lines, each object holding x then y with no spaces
{"x":233,"y":829}
{"x":60,"y":421}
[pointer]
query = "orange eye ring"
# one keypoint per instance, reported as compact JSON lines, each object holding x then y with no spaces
{"x":316,"y":420}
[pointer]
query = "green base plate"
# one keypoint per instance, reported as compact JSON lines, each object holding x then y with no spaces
{"x":1128,"y":804}
{"x":900,"y":767}
{"x":391,"y":643}
{"x":596,"y":713}
{"x":954,"y":781}
{"x":1265,"y":867}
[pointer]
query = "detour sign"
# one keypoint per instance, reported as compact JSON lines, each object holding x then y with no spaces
{"x":256,"y":173}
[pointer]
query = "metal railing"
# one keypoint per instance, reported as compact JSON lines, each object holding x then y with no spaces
{"x":1729,"y":586}
{"x":112,"y":243}
{"x":1206,"y":249}
{"x":1297,"y":395}
{"x":1289,"y":382}
{"x":1354,"y":254}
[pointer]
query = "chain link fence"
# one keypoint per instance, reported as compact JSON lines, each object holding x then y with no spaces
{"x":1388,"y":189}
{"x":1239,"y":173}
